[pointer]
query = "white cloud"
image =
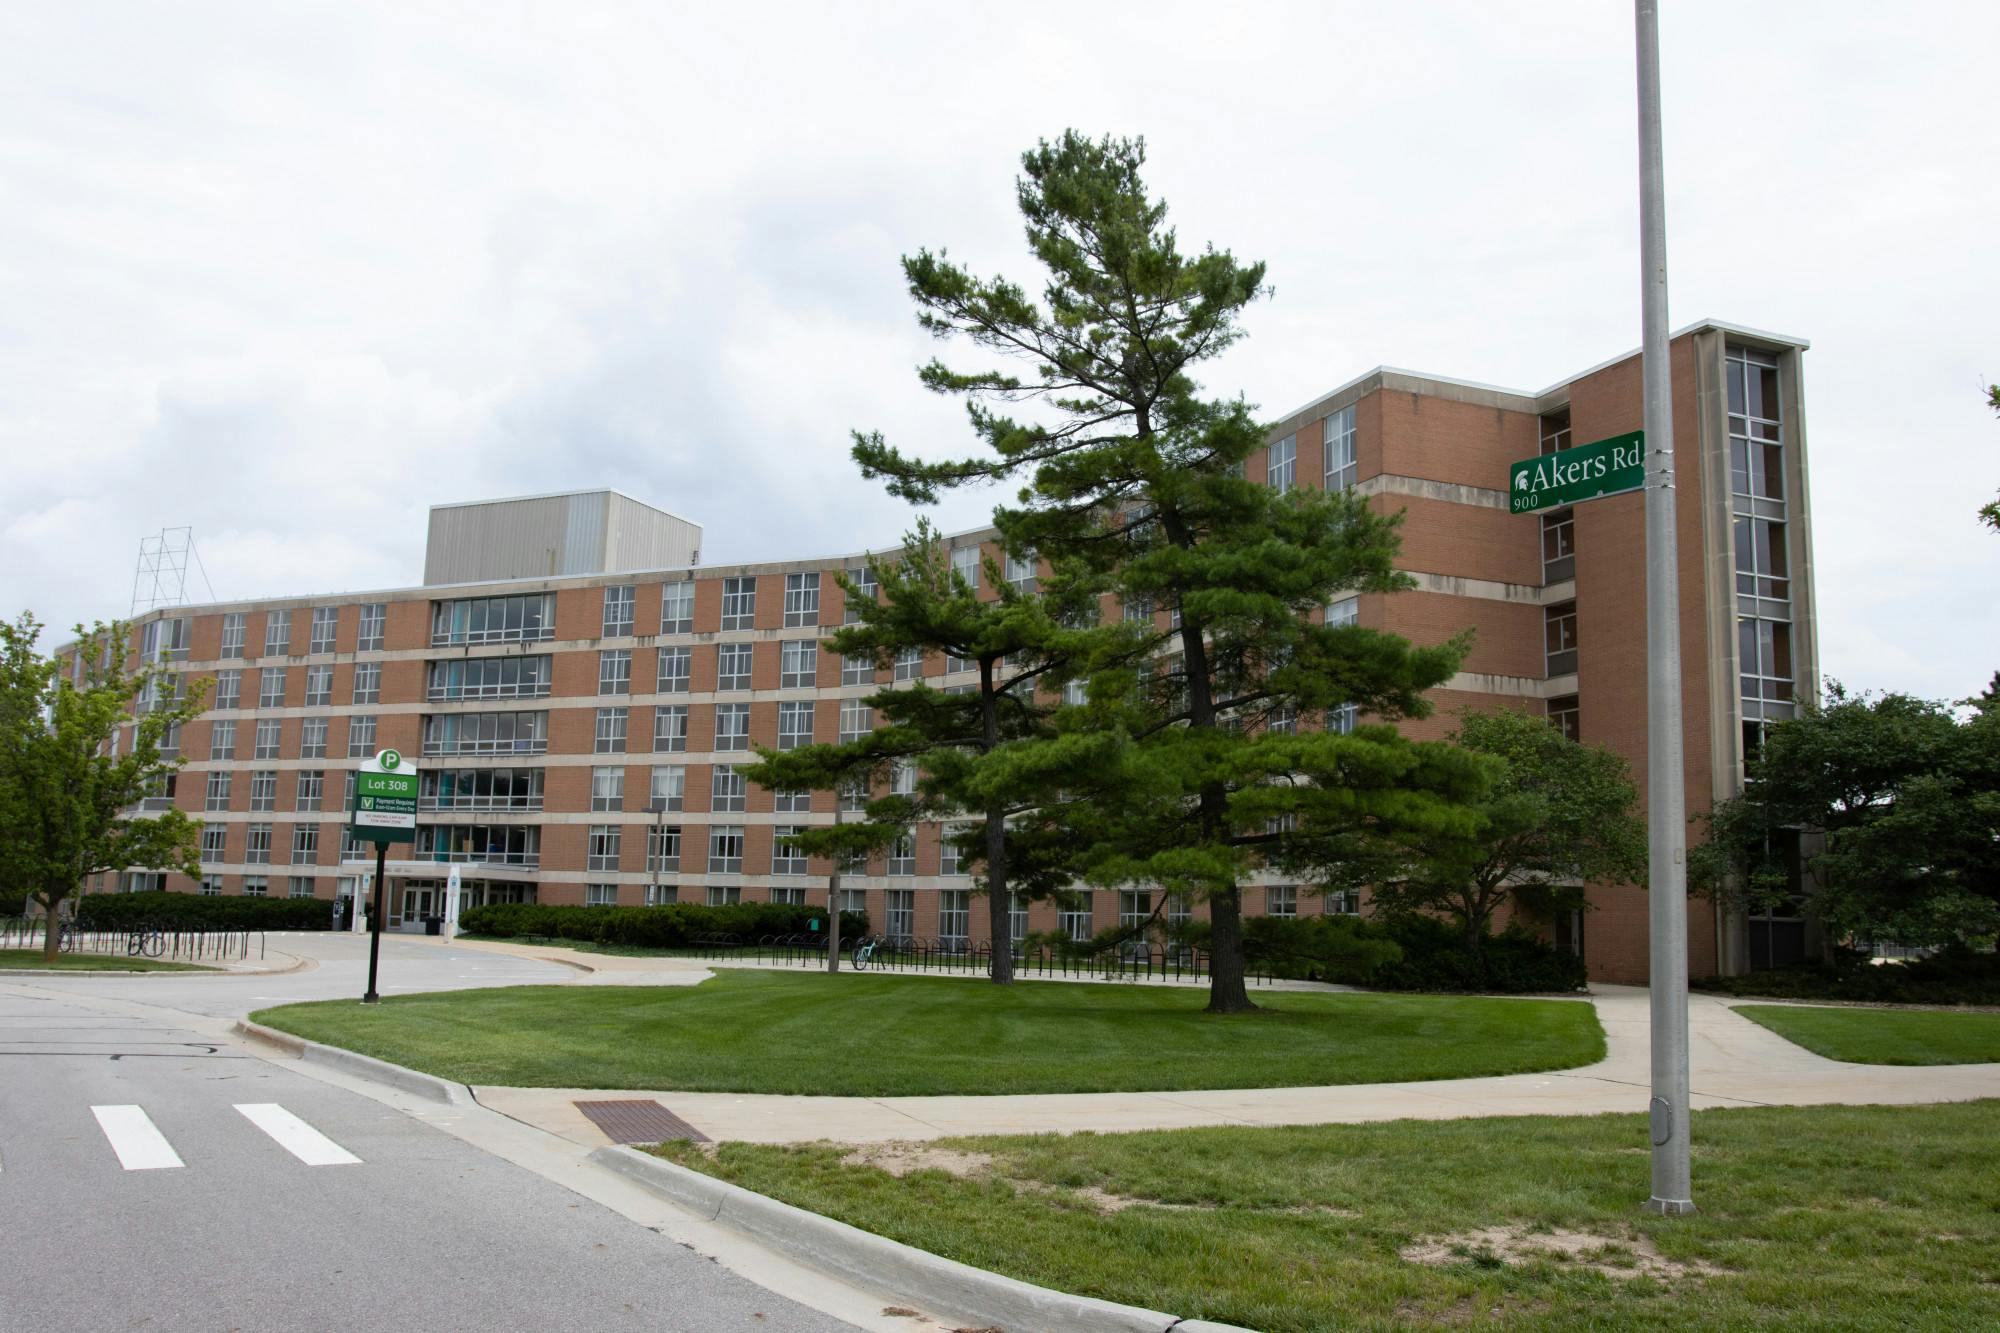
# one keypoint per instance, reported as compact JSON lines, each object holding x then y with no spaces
{"x":292,"y":274}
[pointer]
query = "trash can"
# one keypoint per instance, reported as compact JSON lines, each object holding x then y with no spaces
{"x":433,"y":925}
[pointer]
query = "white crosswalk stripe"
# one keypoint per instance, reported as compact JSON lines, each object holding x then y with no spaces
{"x":137,"y":1141}
{"x":295,"y":1136}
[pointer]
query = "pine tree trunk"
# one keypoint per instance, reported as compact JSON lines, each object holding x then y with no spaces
{"x":51,"y":930}
{"x":1227,"y":993}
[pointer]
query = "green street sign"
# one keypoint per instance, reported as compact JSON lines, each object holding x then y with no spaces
{"x":385,"y":800}
{"x":1587,"y":472}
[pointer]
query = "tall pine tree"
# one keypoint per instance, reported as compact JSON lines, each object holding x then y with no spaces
{"x":1128,"y":474}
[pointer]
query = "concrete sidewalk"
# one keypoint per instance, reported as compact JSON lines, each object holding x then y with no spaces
{"x":1734,"y":1063}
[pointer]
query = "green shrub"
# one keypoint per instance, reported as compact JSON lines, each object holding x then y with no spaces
{"x":1435,"y":958}
{"x":1956,"y":976}
{"x":673,"y":926}
{"x":14,"y":904}
{"x":1342,"y":949}
{"x":193,"y":911}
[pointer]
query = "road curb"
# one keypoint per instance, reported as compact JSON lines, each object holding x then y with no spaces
{"x":427,"y":1086}
{"x":939,"y":1286}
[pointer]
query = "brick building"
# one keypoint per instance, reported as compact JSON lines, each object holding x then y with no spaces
{"x":580,"y":691}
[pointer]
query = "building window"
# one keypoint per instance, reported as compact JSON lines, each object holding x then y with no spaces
{"x":374,"y":620}
{"x":677,"y":607}
{"x":966,"y":563}
{"x":1762,"y":567}
{"x":725,"y":849}
{"x":312,"y":738}
{"x":256,"y":886}
{"x":1281,"y":460}
{"x":900,"y":906}
{"x":485,"y":733}
{"x":305,"y":844}
{"x":607,"y":789}
{"x":611,"y":724}
{"x":600,"y":895}
{"x":727,"y":788}
{"x":324,"y":620}
{"x":801,"y":599}
{"x":519,"y":619}
{"x":222,"y":740}
{"x":257,"y":845}
{"x":670,"y":728}
{"x":319,"y":686}
{"x":854,"y":798}
{"x":857,"y":719}
{"x":213,"y":836}
{"x":909,"y":664}
{"x":302,"y":886}
{"x":1139,"y":608}
{"x":903,"y":854}
{"x":311,"y":786}
{"x":266,"y":746}
{"x":361,"y":735}
{"x":229,"y":688}
{"x":739,"y":603}
{"x":732,"y":666}
{"x":1075,"y":922}
{"x":663,"y":848}
{"x":603,"y":853}
{"x":857,"y":670}
{"x":216,"y":797}
{"x":794,"y":895}
{"x":732,"y":726}
{"x":264,"y":789}
{"x":618,"y":603}
{"x":232,"y":634}
{"x":277,"y":633}
{"x":603,"y":848}
{"x":724,"y":895}
{"x":1281,"y":900}
{"x":1558,"y":546}
{"x":614,"y":671}
{"x":1343,"y":611}
{"x":795,"y":725}
{"x":785,"y":858}
{"x":1555,"y":431}
{"x":1343,"y":902}
{"x":675,"y":667}
{"x":861,"y":592}
{"x":786,"y":801}
{"x":798,"y":664}
{"x":1341,"y":721}
{"x":487,"y":678}
{"x":951,"y":841}
{"x":368,"y":683}
{"x":481,"y":789}
{"x":954,"y":918}
{"x":1343,"y":462}
{"x":1021,"y":571}
{"x":1559,"y":624}
{"x":164,"y":641}
{"x":1764,"y":650}
{"x":669,"y":788}
{"x":1284,"y":721}
{"x":271,"y":687}
{"x":495,"y":844}
{"x":211,"y":886}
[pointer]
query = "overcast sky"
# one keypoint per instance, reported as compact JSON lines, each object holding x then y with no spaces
{"x":291,"y":273}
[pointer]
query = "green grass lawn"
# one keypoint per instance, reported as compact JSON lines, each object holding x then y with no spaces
{"x":746,"y":1031}
{"x":1851,"y":1218}
{"x":1884,"y":1036}
{"x":92,"y":962}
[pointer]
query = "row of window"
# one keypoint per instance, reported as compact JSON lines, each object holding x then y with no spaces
{"x":267,"y":736}
{"x":271,"y":681}
{"x":316,"y":627}
{"x":1342,"y":463}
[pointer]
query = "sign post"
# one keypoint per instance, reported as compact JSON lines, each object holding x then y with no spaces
{"x":1666,"y":813}
{"x":385,"y":811}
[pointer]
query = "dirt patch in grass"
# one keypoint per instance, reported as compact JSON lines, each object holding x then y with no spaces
{"x":901,"y":1158}
{"x":1517,"y":1246}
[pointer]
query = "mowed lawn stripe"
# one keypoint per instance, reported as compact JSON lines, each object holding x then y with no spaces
{"x":1866,"y":1036}
{"x":876,"y":1036}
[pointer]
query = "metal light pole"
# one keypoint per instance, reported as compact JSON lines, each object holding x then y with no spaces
{"x":1673,"y":1190}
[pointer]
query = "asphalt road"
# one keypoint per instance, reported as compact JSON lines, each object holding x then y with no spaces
{"x":187,"y":1213}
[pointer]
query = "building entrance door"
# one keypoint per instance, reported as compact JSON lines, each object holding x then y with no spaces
{"x":419,"y":901}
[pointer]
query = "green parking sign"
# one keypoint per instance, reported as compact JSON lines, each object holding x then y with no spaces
{"x":385,"y":800}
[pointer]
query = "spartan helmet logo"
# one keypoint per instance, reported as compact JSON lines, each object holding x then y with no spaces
{"x":1521,"y":482}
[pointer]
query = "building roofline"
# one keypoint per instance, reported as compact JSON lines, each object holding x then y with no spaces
{"x":564,"y":495}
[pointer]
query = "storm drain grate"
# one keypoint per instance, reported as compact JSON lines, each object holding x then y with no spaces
{"x":639,"y":1122}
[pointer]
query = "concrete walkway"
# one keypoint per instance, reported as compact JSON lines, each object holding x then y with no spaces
{"x":1734,"y":1063}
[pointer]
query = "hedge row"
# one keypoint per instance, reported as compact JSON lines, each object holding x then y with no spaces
{"x":1957,"y":976}
{"x":194,"y":911}
{"x":672,"y":926}
{"x":1408,"y":954}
